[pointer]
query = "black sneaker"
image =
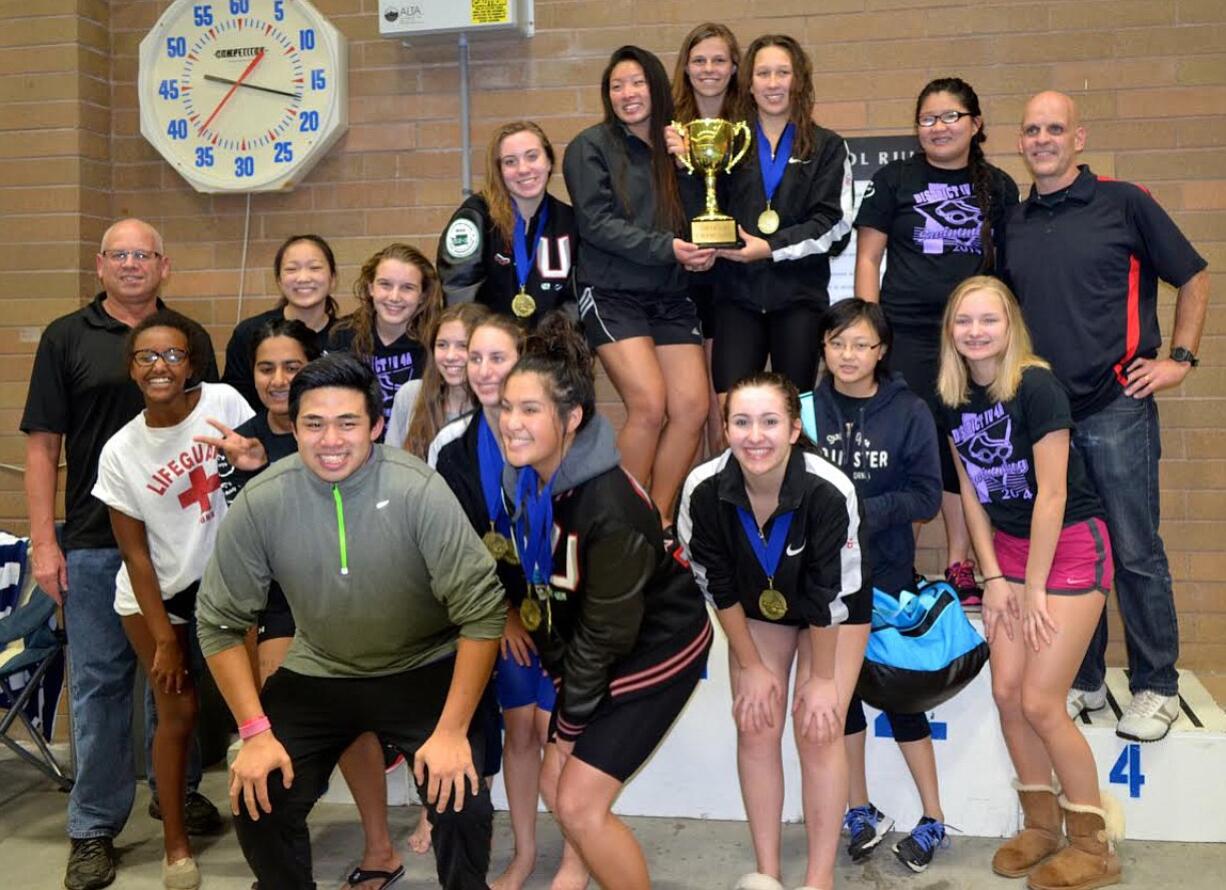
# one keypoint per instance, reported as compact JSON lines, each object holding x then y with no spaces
{"x":199,"y":814}
{"x":866,"y":827}
{"x":91,"y":864}
{"x":915,"y":851}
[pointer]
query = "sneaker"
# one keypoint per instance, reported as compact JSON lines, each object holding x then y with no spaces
{"x":91,"y":864}
{"x":1079,"y":700}
{"x":182,"y":874}
{"x":867,"y":826}
{"x":915,"y":851}
{"x":1148,"y":717}
{"x":918,"y":581}
{"x":961,"y":576}
{"x":199,"y":814}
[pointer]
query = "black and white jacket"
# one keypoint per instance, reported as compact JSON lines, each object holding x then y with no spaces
{"x":475,"y":263}
{"x":822,"y":566}
{"x":815,"y":206}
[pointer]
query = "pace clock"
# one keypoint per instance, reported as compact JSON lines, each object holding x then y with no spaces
{"x":243,"y":95}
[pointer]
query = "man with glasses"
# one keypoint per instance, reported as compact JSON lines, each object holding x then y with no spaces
{"x":80,"y":395}
{"x":1084,"y":254}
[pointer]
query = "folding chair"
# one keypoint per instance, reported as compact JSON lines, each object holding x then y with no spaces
{"x":29,"y":644}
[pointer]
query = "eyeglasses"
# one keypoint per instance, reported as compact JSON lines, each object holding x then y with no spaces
{"x":121,"y":256}
{"x":859,"y":347}
{"x":149,"y":357}
{"x":945,"y":117}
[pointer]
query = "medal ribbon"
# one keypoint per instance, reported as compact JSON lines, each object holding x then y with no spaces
{"x":523,"y":262}
{"x":534,"y":529}
{"x":770,"y":550}
{"x":489,"y":462}
{"x":773,"y":167}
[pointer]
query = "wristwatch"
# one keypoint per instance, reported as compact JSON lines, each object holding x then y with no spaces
{"x":1183,"y":354}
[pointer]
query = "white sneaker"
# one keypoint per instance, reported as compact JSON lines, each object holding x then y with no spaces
{"x":1079,"y":700}
{"x":1148,"y":717}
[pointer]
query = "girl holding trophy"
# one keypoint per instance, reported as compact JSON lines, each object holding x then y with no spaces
{"x":794,"y":208}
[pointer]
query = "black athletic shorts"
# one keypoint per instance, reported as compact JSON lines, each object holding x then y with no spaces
{"x":746,"y":338}
{"x":917,"y":357}
{"x":609,"y":316}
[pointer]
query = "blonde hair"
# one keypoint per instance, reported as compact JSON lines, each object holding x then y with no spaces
{"x":953,"y":380}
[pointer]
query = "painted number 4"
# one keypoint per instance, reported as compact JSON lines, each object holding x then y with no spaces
{"x":1127,"y":770}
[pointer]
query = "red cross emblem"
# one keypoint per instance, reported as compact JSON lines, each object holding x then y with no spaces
{"x":202,"y":486}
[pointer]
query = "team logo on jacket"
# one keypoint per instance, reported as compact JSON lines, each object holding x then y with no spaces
{"x":463,"y":238}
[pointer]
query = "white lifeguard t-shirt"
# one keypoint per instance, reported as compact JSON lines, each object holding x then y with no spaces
{"x":161,"y":477}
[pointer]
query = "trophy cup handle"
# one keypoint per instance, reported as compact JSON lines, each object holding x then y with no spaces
{"x":742,"y":128}
{"x":684,"y":158}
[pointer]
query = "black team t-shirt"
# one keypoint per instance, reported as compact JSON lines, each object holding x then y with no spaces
{"x":934,"y":231}
{"x":394,"y":364}
{"x":995,"y":441}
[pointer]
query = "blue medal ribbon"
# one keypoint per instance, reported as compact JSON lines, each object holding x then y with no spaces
{"x":773,"y":167}
{"x":770,"y":550}
{"x":489,"y":462}
{"x":534,"y":528}
{"x":524,"y":261}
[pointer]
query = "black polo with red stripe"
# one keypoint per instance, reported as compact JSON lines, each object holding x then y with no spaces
{"x":1085,"y":263}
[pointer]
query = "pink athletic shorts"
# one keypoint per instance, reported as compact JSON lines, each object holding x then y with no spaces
{"x":1082,"y":563}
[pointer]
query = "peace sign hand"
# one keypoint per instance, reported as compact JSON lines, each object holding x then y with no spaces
{"x":246,"y":454}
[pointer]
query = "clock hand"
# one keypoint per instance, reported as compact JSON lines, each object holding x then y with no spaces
{"x":251,"y":86}
{"x":230,"y":92}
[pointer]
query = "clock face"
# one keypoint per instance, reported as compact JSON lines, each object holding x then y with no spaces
{"x":243,"y":95}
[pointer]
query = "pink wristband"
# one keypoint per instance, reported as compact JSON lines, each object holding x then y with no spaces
{"x":254,"y":727}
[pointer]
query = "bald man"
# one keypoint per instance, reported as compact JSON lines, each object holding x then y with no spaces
{"x":1084,"y":254}
{"x":80,"y":391}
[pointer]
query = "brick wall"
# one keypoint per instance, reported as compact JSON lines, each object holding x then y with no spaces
{"x":1150,"y":77}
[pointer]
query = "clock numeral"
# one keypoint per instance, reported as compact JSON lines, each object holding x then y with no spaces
{"x":240,"y":7}
{"x":244,"y":165}
{"x":202,"y":15}
{"x":177,"y":129}
{"x":309,"y":122}
{"x":204,"y":156}
{"x":278,"y":10}
{"x":306,"y":38}
{"x":317,"y":79}
{"x":169,"y":89}
{"x":176,"y":47}
{"x":283,"y":152}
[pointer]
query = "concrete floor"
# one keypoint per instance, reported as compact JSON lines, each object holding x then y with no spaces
{"x":689,"y":854}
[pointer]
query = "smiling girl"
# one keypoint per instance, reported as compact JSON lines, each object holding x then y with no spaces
{"x":399,"y":299}
{"x":772,"y":533}
{"x":938,"y":215}
{"x":165,"y":503}
{"x":1037,"y":524}
{"x":616,"y":619}
{"x":305,"y":268}
{"x":792,"y":197}
{"x":512,"y":247}
{"x":633,"y":290}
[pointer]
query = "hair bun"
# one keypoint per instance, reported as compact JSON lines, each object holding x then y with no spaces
{"x":558,"y":338}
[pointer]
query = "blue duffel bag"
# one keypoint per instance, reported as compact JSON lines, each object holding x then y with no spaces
{"x":922,"y":650}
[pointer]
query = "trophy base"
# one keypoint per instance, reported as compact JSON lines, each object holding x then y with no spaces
{"x":717,"y":232}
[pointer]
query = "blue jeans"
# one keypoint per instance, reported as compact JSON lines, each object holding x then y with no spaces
{"x":101,"y":670}
{"x":1121,"y":446}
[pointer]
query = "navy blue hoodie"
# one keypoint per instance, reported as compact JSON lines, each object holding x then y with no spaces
{"x":890,"y":454}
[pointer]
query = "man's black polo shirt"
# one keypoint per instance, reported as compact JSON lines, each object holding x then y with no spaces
{"x":80,"y":388}
{"x":1085,"y":264}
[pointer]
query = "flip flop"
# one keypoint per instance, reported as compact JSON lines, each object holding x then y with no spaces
{"x":359,"y":874}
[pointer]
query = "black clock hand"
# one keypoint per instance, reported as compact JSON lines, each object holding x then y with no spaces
{"x":251,"y":86}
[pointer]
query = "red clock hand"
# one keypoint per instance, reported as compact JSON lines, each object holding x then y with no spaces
{"x":230,"y":92}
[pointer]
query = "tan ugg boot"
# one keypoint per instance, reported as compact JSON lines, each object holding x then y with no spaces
{"x":1040,"y":834}
{"x":1089,"y":860}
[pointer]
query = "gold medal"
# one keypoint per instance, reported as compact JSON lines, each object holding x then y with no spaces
{"x":523,"y":305}
{"x":772,"y":604}
{"x":496,"y":544}
{"x":530,"y":613}
{"x":768,"y":221}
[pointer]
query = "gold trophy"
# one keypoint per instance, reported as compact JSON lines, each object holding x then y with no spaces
{"x":709,"y":147}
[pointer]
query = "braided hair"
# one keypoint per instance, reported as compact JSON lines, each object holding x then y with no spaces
{"x":977,"y":166}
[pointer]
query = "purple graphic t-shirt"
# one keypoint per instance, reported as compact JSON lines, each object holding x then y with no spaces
{"x":934,"y":228}
{"x":394,"y":364}
{"x":995,"y":441}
